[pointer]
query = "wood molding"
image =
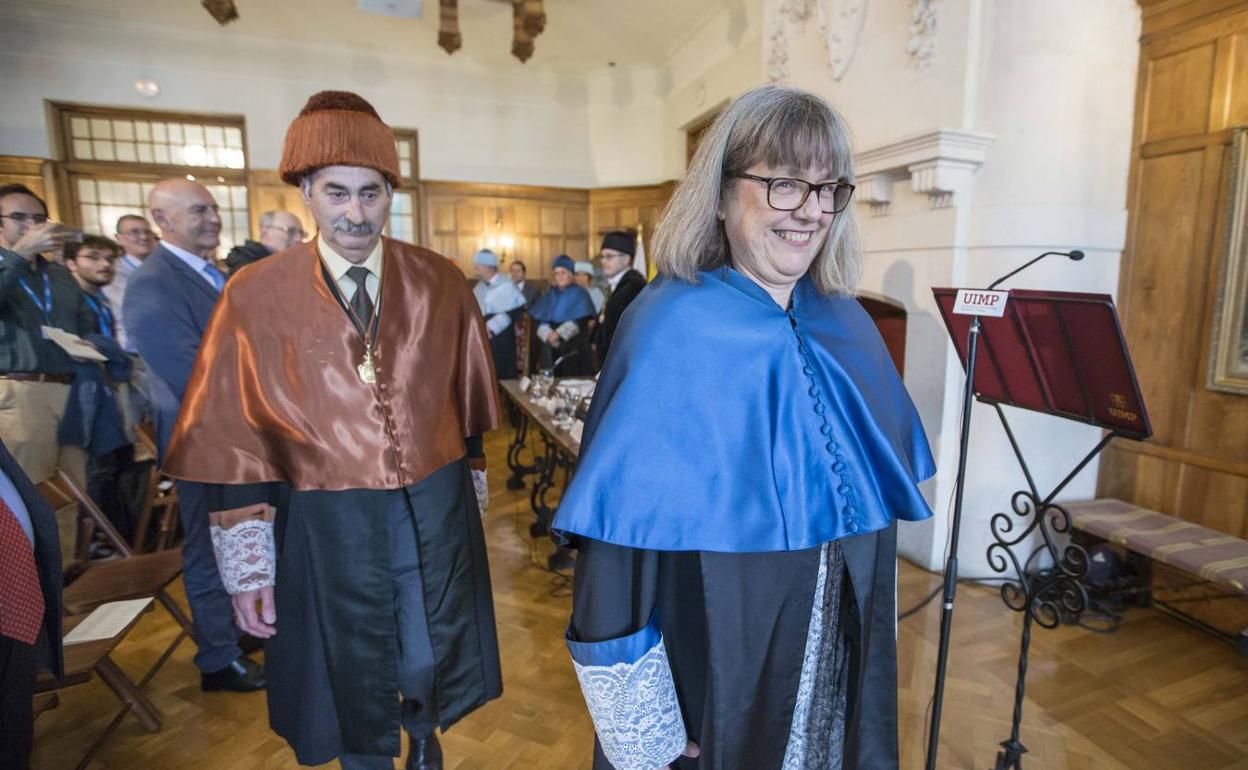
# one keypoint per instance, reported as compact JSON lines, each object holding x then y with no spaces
{"x":492,"y":190}
{"x":1200,"y":460}
{"x":1162,"y":18}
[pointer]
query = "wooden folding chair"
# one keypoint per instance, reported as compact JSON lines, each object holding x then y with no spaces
{"x":160,"y":495}
{"x":86,"y":658}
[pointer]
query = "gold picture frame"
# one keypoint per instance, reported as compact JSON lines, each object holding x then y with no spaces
{"x":1228,"y":353}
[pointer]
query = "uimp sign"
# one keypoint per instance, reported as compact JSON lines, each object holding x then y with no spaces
{"x":980,"y":302}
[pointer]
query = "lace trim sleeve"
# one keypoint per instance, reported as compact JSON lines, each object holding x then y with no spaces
{"x":243,"y":542}
{"x":633,"y":701}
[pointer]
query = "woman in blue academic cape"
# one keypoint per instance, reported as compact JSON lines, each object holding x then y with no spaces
{"x":565,"y":315}
{"x":748,"y":453}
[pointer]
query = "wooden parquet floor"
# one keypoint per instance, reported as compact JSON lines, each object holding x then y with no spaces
{"x":1155,"y":695}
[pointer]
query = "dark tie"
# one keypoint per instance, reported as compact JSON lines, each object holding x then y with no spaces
{"x":21,"y":598}
{"x":361,"y":303}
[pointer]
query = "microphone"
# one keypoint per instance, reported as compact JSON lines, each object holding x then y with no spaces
{"x":1074,"y":255}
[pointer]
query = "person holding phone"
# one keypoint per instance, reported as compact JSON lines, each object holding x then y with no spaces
{"x":36,"y":293}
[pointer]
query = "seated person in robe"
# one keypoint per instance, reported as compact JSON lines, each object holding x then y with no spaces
{"x":565,"y":314}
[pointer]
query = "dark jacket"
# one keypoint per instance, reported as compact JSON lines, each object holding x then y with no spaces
{"x":47,"y":559}
{"x":625,"y":292}
{"x":166,"y":311}
{"x":242,"y":256}
{"x":93,"y":417}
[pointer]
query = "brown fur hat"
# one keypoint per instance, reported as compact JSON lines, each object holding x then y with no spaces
{"x":338,"y":128}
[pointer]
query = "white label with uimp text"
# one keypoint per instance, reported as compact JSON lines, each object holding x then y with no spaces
{"x":980,"y":302}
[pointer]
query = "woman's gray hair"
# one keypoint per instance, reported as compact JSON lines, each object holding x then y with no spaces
{"x":785,"y":128}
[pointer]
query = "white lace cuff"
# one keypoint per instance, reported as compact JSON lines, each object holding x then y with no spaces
{"x":482,"y":489}
{"x":242,"y":540}
{"x":568,"y":330}
{"x":631,"y":695}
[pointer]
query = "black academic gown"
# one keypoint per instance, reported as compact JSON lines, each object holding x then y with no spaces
{"x":630,"y":285}
{"x":336,"y":645}
{"x":737,"y":680}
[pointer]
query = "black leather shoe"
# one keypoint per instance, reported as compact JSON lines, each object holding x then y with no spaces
{"x":424,"y":753}
{"x":249,"y":644}
{"x":243,"y":675}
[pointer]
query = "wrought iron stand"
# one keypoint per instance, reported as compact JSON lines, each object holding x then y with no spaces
{"x":1048,"y":594}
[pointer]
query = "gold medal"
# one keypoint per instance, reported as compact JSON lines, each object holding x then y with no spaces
{"x":367,"y":372}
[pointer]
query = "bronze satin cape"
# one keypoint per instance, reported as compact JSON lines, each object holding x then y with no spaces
{"x":275,"y":397}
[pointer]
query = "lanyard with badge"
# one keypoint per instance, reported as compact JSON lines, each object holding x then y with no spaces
{"x":102,"y":313}
{"x":45,"y":307}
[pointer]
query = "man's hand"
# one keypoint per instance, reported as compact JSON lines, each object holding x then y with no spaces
{"x":48,"y":236}
{"x":690,"y":751}
{"x":258,"y":624}
{"x":554,"y":339}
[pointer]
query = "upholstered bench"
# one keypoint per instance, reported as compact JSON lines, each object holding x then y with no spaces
{"x":1214,"y":556}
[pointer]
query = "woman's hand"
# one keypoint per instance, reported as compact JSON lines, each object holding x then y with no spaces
{"x":554,"y":339}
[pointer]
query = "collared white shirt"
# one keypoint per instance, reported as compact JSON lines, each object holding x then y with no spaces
{"x":614,"y":281}
{"x":116,"y":294}
{"x":193,"y":261}
{"x":338,"y":266}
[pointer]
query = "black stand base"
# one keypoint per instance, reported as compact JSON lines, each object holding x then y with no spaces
{"x":1012,"y":756}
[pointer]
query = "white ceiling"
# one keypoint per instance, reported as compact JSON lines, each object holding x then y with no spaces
{"x":578,"y":32}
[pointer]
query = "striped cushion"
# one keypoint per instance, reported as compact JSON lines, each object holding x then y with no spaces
{"x":1213,"y":555}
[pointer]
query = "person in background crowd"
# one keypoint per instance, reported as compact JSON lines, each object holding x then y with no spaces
{"x":137,"y":241}
{"x":167,"y":307}
{"x":584,"y":275}
{"x":565,"y":313}
{"x":519,"y":276}
{"x":110,"y":443}
{"x":623,"y":282}
{"x":30,"y":606}
{"x":499,"y":299}
{"x":279,"y":230}
{"x":35,"y":373}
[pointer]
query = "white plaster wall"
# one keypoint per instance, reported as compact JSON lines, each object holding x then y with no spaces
{"x":627,"y":116}
{"x":498,"y":125}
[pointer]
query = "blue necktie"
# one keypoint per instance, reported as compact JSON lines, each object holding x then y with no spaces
{"x":218,"y":277}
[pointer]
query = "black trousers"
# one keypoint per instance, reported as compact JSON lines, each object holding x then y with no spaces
{"x":416,"y":658}
{"x":18,"y":668}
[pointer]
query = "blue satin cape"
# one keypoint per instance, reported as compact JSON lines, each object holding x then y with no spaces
{"x":559,"y":305}
{"x":723,"y":423}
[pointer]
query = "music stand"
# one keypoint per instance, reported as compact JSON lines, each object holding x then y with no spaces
{"x":1056,"y":353}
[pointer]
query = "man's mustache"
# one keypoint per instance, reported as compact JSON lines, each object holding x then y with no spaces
{"x":344,"y":226}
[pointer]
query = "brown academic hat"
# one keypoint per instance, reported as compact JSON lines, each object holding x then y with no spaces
{"x":338,"y":128}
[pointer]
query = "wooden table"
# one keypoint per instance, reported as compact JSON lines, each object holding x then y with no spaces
{"x":558,"y":452}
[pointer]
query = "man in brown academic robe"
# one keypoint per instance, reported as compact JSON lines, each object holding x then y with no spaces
{"x":337,"y":405}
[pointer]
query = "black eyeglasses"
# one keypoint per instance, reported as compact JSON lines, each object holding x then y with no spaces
{"x":788,"y":194}
{"x":20,"y":218}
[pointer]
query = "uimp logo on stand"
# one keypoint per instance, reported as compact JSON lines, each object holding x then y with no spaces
{"x":980,"y":302}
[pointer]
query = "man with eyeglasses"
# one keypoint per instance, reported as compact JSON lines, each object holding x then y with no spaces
{"x":97,"y":397}
{"x":135,"y":235}
{"x":36,"y":293}
{"x":279,"y":230}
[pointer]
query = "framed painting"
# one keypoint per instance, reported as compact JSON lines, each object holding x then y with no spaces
{"x":1228,"y":355}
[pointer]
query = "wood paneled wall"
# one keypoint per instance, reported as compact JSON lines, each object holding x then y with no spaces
{"x":1192,"y":89}
{"x":460,"y":217}
{"x":624,"y":208}
{"x":269,"y":193}
{"x":36,"y":173}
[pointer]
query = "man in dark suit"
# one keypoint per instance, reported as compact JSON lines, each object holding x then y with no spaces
{"x":519,"y":276}
{"x":30,"y":606}
{"x":618,"y":248}
{"x":167,"y":306}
